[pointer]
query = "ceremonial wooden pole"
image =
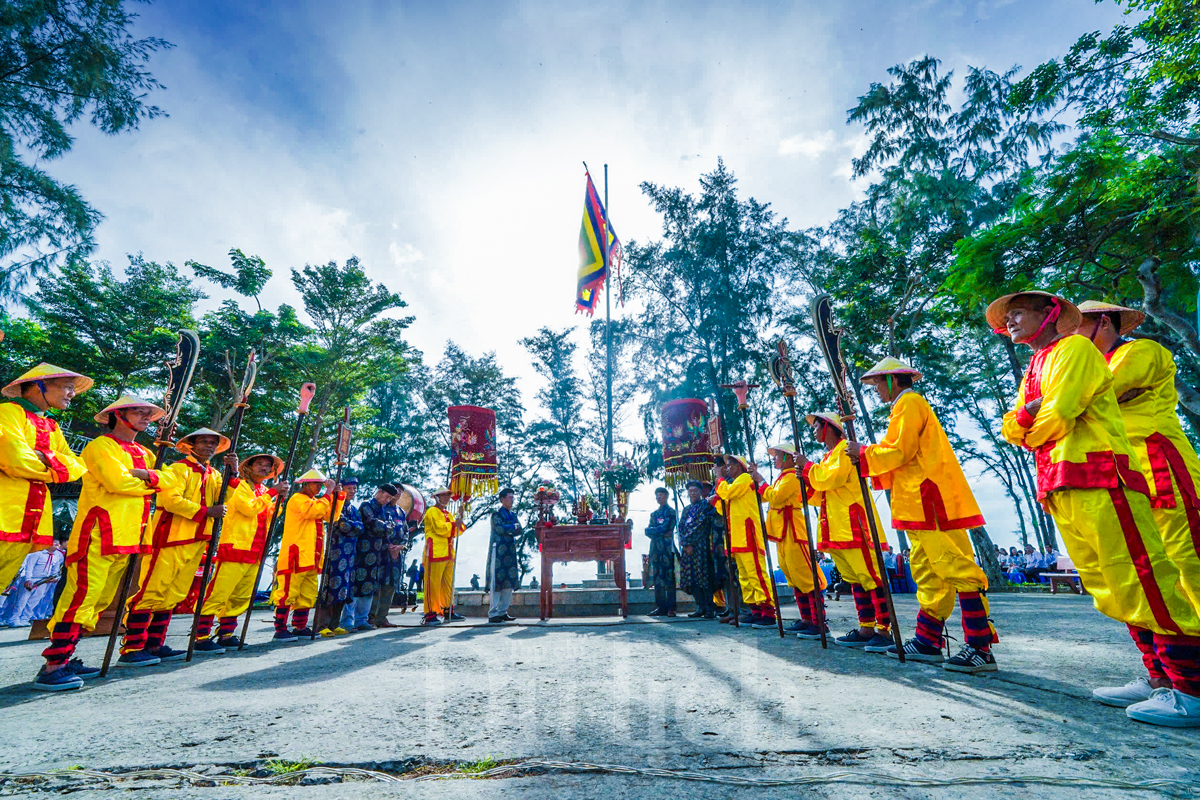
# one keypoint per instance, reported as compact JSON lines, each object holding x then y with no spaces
{"x":307,"y":392}
{"x":179,"y":380}
{"x":781,"y":371}
{"x":830,"y":341}
{"x":228,"y":475}
{"x":742,"y":389}
{"x":343,"y":455}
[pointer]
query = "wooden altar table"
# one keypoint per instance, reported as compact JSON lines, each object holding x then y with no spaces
{"x":582,"y":543}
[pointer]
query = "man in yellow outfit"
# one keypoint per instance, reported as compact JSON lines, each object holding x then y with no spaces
{"x":785,"y":527}
{"x":932,"y":502}
{"x":114,"y":507}
{"x":243,"y":539}
{"x":181,"y":528}
{"x":737,"y":488}
{"x":441,"y":530}
{"x":1088,"y":480}
{"x":298,"y":570}
{"x":33,"y":454}
{"x":846,"y":534}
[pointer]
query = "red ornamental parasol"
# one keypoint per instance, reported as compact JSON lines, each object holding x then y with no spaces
{"x":687,"y":448}
{"x":473,"y":445}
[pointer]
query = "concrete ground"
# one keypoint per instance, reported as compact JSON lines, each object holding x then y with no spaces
{"x":678,"y":695}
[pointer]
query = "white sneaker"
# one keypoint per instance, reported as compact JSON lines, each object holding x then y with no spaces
{"x":1136,"y":691}
{"x":1168,"y":707}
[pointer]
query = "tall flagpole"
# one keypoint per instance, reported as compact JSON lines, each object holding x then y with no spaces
{"x":608,"y":441}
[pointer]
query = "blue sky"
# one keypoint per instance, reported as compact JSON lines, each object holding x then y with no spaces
{"x":442,"y":142}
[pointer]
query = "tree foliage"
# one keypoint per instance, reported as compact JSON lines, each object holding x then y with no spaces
{"x":61,"y":61}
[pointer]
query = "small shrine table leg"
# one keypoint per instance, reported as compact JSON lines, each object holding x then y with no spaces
{"x":622,"y":584}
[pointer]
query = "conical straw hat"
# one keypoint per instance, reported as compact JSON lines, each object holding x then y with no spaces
{"x":1068,"y":319}
{"x":1130,"y":318}
{"x":184,"y":446}
{"x":128,"y":401}
{"x":890,"y":366}
{"x":45,"y":372}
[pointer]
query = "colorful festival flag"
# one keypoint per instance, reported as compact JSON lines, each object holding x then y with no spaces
{"x":593,"y":266}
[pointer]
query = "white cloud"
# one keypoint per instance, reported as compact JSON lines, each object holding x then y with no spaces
{"x":809,"y":146}
{"x":404,"y":254}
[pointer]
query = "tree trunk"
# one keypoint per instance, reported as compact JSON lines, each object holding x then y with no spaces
{"x":985,"y":554}
{"x":1153,"y":305}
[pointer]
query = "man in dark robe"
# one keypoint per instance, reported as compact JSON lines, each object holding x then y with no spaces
{"x":343,"y":544}
{"x":698,"y":527}
{"x":371,"y":558}
{"x":504,"y":574}
{"x":661,"y":531}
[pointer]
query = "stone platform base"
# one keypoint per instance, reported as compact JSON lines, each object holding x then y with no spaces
{"x":571,"y":602}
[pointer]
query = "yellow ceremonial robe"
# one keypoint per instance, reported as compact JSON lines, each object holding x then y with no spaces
{"x":844,"y":531}
{"x":26,"y":518}
{"x":783,"y":527}
{"x":746,"y":539}
{"x":1088,"y":480}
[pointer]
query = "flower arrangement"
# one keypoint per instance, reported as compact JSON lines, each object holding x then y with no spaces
{"x":547,"y":494}
{"x":619,"y":474}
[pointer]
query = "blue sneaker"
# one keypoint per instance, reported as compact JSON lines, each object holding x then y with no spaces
{"x":164,"y":653}
{"x":811,"y":631}
{"x":916,"y":651}
{"x":854,"y":639}
{"x":207,"y":647}
{"x":795,"y":627}
{"x":229,"y":642}
{"x":60,"y":680}
{"x":138,"y":658}
{"x":880,"y":643}
{"x":283,"y":636}
{"x":77,"y":666}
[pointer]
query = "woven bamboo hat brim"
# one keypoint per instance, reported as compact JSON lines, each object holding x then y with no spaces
{"x":46,"y":372}
{"x":1068,"y":320}
{"x":826,"y":416}
{"x":276,"y":461}
{"x":127,"y":401}
{"x":739,"y":459}
{"x":184,"y":445}
{"x":890,"y":366}
{"x":783,"y":447}
{"x":1130,"y":318}
{"x":314,"y":475}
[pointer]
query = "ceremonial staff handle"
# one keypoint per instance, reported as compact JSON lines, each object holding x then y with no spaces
{"x":227,"y":475}
{"x":307,"y":392}
{"x":733,"y":594}
{"x":742,"y":390}
{"x":179,"y":380}
{"x":781,"y":371}
{"x":830,"y":341}
{"x":342,"y":449}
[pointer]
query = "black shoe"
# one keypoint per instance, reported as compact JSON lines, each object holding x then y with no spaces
{"x":454,"y":616}
{"x":698,"y":614}
{"x":795,"y":627}
{"x":207,"y":647}
{"x":915,"y":651}
{"x":971,"y":660}
{"x":509,"y":617}
{"x":496,"y":620}
{"x":87,"y":673}
{"x":762,"y":622}
{"x":59,"y":680}
{"x":229,"y":642}
{"x":165,"y":653}
{"x":657,"y":612}
{"x":710,"y":615}
{"x":811,"y":631}
{"x":746,"y":618}
{"x":430,"y":620}
{"x":853,"y":639}
{"x":283,"y":636}
{"x":302,"y":633}
{"x":879,"y":643}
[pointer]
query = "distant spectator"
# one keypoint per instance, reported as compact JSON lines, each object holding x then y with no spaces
{"x":475,"y":583}
{"x":1035,"y":564}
